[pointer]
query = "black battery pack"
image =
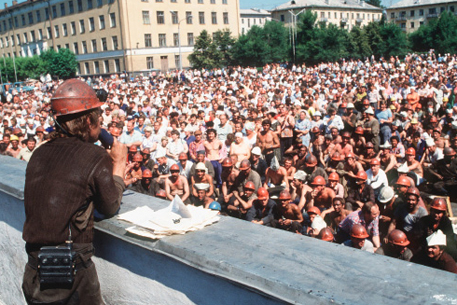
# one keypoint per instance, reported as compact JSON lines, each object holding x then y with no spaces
{"x":56,"y":265}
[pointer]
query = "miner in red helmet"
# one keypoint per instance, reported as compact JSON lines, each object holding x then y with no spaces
{"x":67,"y":178}
{"x":396,"y":246}
{"x":262,"y":210}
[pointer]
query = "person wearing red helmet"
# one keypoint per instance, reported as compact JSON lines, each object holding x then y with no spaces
{"x":262,"y":210}
{"x":350,"y":170}
{"x":396,"y":246}
{"x":80,"y":176}
{"x":358,"y":239}
{"x":228,"y":176}
{"x":359,"y":141}
{"x":361,"y":193}
{"x":240,"y":203}
{"x":176,"y":184}
{"x":414,"y":165}
{"x":367,"y":154}
{"x":376,"y":177}
{"x":321,"y":196}
{"x":145,"y":184}
{"x":335,"y":185}
{"x":288,"y":216}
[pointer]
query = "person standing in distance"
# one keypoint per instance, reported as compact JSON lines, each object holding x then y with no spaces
{"x":66,"y":179}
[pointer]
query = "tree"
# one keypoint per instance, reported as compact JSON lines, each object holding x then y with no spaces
{"x":251,"y":49}
{"x":375,"y":2}
{"x":372,"y":32}
{"x":394,"y":41}
{"x":224,"y":42}
{"x":358,"y":46}
{"x":62,"y":64}
{"x":205,"y":53}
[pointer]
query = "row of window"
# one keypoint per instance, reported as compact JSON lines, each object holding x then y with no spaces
{"x":411,"y":25}
{"x":431,"y":11}
{"x":253,"y":19}
{"x":96,"y":67}
{"x":175,"y":18}
{"x":57,"y":30}
{"x":189,"y":1}
{"x":342,"y":16}
{"x":163,"y":40}
{"x":36,"y":17}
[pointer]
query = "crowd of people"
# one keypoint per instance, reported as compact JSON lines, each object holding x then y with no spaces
{"x":356,"y":152}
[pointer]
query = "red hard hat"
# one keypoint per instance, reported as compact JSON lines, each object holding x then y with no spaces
{"x":314,"y":210}
{"x":227,"y":162}
{"x":39,"y":128}
{"x":333,"y":177}
{"x":433,"y":120}
{"x":161,"y":194}
{"x":349,"y":155}
{"x":411,"y":151}
{"x":366,"y":102}
{"x":249,"y":186}
{"x":403,"y":181}
{"x":137,"y":157}
{"x":359,"y":130}
{"x":362,"y":175}
{"x":318,"y":180}
{"x":74,"y":96}
{"x":346,"y":134}
{"x":262,"y":193}
{"x":133,"y":148}
{"x":174,"y":167}
{"x":439,"y":204}
{"x":369,"y":145}
{"x":343,"y":105}
{"x":315,"y":129}
{"x":326,"y":234}
{"x":359,"y":231}
{"x":398,"y":238}
{"x":413,"y":191}
{"x":147,"y":173}
{"x":337,"y":157}
{"x":375,"y":162}
{"x":284,"y":195}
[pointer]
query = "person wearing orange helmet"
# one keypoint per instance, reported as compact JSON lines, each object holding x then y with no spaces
{"x":376,"y":177}
{"x":228,"y":176}
{"x":359,"y":239}
{"x":176,"y":184}
{"x":350,"y":169}
{"x":80,"y":176}
{"x":240,"y":203}
{"x":326,"y":234}
{"x":184,"y":165}
{"x":145,"y":184}
{"x":312,"y":170}
{"x":335,"y":185}
{"x":367,"y":154}
{"x":414,"y":165}
{"x":361,"y":193}
{"x":288,"y":216}
{"x":247,"y":174}
{"x":262,"y":210}
{"x":396,"y":246}
{"x":321,"y":196}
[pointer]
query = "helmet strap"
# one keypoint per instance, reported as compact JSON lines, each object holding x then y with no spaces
{"x":60,"y":126}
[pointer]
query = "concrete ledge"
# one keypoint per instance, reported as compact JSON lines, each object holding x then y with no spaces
{"x":283,"y":266}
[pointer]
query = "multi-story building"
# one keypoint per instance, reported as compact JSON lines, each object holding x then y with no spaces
{"x":253,"y":16}
{"x":344,"y":13}
{"x":411,"y":14}
{"x":110,"y":36}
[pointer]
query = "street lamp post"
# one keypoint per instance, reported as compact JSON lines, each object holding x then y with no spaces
{"x":179,"y":36}
{"x":294,"y":30}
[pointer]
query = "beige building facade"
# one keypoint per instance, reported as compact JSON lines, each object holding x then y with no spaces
{"x":253,"y":16}
{"x":411,"y":14}
{"x":345,"y":14}
{"x":110,"y":36}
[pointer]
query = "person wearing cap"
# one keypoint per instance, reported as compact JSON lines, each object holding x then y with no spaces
{"x":371,"y":128}
{"x":358,"y":239}
{"x":200,"y":177}
{"x":201,"y":158}
{"x":184,"y":165}
{"x":299,"y":189}
{"x":14,"y":149}
{"x":175,"y":184}
{"x":360,"y":193}
{"x":247,"y":174}
{"x":257,"y":163}
{"x":414,"y":166}
{"x":26,"y":152}
{"x":349,"y":118}
{"x":313,"y":222}
{"x":144,"y":185}
{"x":368,"y":217}
{"x":213,"y":147}
{"x":326,"y":234}
{"x":202,"y":198}
{"x":434,"y":255}
{"x":268,"y":141}
{"x":396,"y":246}
{"x":262,"y":210}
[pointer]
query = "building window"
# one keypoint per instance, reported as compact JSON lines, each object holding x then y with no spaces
{"x":226,"y":19}
{"x":421,"y":23}
{"x":40,"y":34}
{"x":432,"y":11}
{"x":75,"y":48}
{"x":94,"y":45}
{"x":86,"y":67}
{"x":54,"y":11}
{"x":56,"y":31}
{"x":49,"y":32}
{"x":411,"y":14}
{"x":147,"y":40}
{"x":224,"y":1}
{"x":200,"y":1}
{"x":282,"y":18}
{"x":38,"y":16}
{"x":90,"y":4}
{"x":212,"y":1}
{"x":162,"y":40}
{"x":104,"y":44}
{"x":392,"y":15}
{"x":214,"y":18}
{"x":96,"y":67}
{"x":190,"y":39}
{"x":160,"y":17}
{"x":177,"y":65}
{"x":201,"y":17}
{"x":32,"y":35}
{"x":91,"y":24}
{"x":112,"y":18}
{"x":64,"y":30}
{"x":186,"y":1}
{"x":150,"y":63}
{"x":117,"y":65}
{"x":19,"y":38}
{"x":71,"y":7}
{"x":115,"y":43}
{"x":99,"y":3}
{"x":46,"y":14}
{"x":442,"y":9}
{"x":421,"y":12}
{"x":451,"y":8}
{"x":80,"y":5}
{"x":175,"y":39}
{"x":101,"y":20}
{"x":189,"y":17}
{"x":84,"y":44}
{"x":403,"y":25}
{"x":146,"y":19}
{"x":173,"y":1}
{"x":30,"y":18}
{"x":242,"y":20}
{"x":106,"y":66}
{"x":82,"y":27}
{"x":73,"y":28}
{"x":412,"y":25}
{"x":62,"y":9}
{"x":174,"y":17}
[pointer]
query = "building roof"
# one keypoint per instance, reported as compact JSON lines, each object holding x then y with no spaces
{"x":339,"y":4}
{"x":254,"y":11}
{"x":415,"y":3}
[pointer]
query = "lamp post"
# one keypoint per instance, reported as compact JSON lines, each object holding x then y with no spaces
{"x":179,"y":36}
{"x":294,"y":31}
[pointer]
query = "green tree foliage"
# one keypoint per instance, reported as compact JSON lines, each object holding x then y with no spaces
{"x":372,"y":32}
{"x":276,"y":37}
{"x":211,"y":54}
{"x":375,"y":2}
{"x":394,"y":41}
{"x":358,"y":46}
{"x":62,"y":64}
{"x":224,"y":42}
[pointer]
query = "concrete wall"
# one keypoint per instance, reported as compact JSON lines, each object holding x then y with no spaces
{"x":231,"y":262}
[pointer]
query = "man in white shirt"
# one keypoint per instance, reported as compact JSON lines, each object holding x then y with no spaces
{"x":376,"y":177}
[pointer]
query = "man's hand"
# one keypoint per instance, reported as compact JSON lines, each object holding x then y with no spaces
{"x":118,"y":153}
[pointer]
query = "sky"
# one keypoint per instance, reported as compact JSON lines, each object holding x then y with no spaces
{"x":263,"y":4}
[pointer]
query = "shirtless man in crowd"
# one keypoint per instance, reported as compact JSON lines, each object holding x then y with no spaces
{"x":290,"y":170}
{"x":229,"y":174}
{"x":339,"y":213}
{"x":268,"y":141}
{"x":276,"y":178}
{"x":300,"y":189}
{"x":177,"y":185}
{"x":201,"y":177}
{"x":321,"y":196}
{"x":288,"y":216}
{"x":212,"y":147}
{"x":240,"y":147}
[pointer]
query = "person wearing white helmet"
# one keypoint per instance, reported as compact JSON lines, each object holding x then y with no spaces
{"x":258,"y":164}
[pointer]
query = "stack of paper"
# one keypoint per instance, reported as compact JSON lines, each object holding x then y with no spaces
{"x":177,"y":218}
